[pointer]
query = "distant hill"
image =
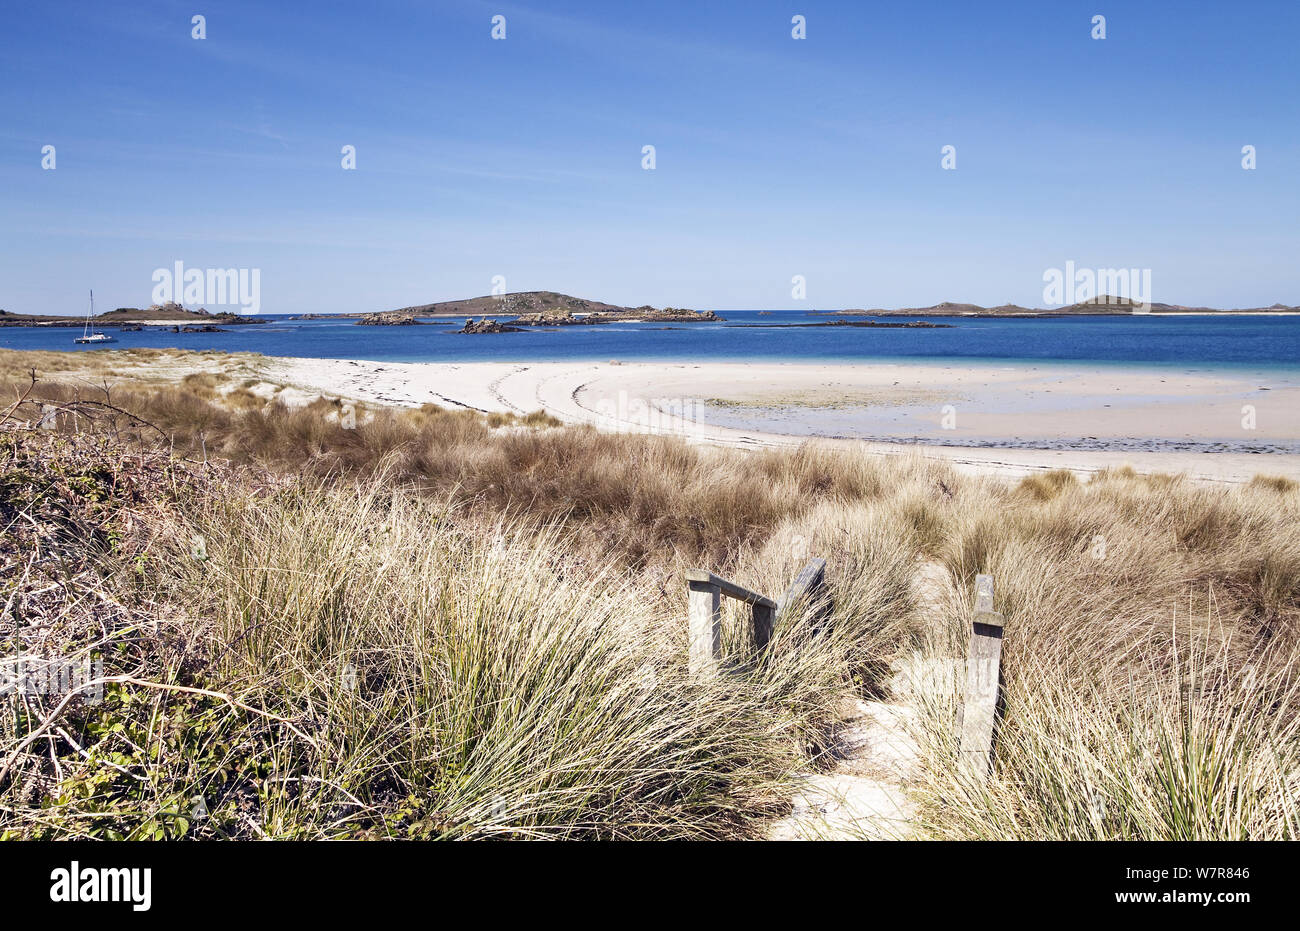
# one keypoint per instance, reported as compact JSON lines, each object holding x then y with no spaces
{"x":124,"y":315}
{"x":1119,"y":305}
{"x":1100,"y":305}
{"x":520,"y":302}
{"x":517,"y":303}
{"x":170,"y":312}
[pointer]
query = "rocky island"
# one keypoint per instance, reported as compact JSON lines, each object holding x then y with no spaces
{"x":129,"y":318}
{"x":524,"y":308}
{"x":565,"y":317}
{"x":486,"y":325}
{"x":1103,"y":305}
{"x":388,"y":318}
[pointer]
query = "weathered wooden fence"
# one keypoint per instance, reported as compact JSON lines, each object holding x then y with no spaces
{"x":978,"y":714}
{"x":983,"y":662}
{"x":705,"y":610}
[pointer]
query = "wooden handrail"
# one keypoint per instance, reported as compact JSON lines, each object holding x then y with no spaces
{"x":731,"y":589}
{"x":705,"y":608}
{"x":705,"y":605}
{"x":809,"y":584}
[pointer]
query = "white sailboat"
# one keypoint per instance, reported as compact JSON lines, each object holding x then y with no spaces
{"x":88,"y":334}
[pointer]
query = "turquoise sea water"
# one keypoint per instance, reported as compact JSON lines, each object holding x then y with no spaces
{"x":1264,"y":343}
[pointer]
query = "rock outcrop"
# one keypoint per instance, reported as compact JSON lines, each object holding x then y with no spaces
{"x":388,"y":318}
{"x":562,"y":318}
{"x":566,"y":317}
{"x":486,"y":326}
{"x":678,"y":315}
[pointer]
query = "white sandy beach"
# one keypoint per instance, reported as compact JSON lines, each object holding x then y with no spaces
{"x":1146,"y":413}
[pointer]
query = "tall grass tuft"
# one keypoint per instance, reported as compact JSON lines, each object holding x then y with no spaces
{"x":1149,"y":666}
{"x":466,"y":681}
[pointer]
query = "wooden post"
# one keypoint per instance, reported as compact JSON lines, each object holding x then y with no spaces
{"x":705,"y":627}
{"x":982,"y":671}
{"x":764,"y":620}
{"x":810,"y":585}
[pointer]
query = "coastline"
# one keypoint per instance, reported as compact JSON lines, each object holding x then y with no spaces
{"x":1043,"y":407}
{"x":61,"y":319}
{"x":985,"y":416}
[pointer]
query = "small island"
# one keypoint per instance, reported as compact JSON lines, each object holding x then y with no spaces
{"x":131,"y":318}
{"x":388,"y":318}
{"x":567,"y":317}
{"x":486,"y":325}
{"x":522,"y":309}
{"x":1102,"y":305}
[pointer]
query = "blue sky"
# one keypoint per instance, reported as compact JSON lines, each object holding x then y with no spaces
{"x":775,"y":157}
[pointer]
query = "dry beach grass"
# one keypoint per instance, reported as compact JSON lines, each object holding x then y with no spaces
{"x":431,"y":625}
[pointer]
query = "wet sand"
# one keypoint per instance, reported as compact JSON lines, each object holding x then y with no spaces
{"x":1214,"y":425}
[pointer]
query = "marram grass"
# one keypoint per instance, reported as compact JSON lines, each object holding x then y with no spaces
{"x":428,"y":628}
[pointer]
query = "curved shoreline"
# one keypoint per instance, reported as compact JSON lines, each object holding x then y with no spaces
{"x":649,"y":398}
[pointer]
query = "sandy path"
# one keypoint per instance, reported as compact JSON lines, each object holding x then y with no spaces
{"x":864,"y":795}
{"x":876,"y":758}
{"x":1029,"y":402}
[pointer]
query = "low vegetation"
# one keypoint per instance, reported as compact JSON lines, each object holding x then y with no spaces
{"x":329,"y":621}
{"x":1150,"y":679}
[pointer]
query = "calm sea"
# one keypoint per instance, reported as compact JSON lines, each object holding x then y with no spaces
{"x":1255,"y":343}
